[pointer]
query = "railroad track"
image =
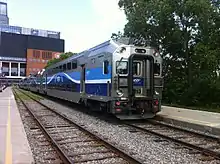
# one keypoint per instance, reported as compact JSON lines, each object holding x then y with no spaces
{"x":200,"y":143}
{"x":39,"y":142}
{"x":73,"y":143}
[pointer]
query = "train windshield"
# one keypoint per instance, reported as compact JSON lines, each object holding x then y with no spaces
{"x":122,"y":67}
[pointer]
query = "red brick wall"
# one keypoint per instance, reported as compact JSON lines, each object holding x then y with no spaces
{"x":37,"y":60}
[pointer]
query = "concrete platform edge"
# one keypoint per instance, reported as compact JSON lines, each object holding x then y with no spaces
{"x":23,"y":155}
{"x":194,"y":126}
{"x":15,"y":147}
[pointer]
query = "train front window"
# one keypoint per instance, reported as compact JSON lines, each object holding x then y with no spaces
{"x":122,"y":67}
{"x":136,"y":68}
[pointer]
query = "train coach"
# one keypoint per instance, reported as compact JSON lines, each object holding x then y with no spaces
{"x":114,"y":77}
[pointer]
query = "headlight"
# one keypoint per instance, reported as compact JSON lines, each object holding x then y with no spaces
{"x":156,"y":93}
{"x":119,"y":93}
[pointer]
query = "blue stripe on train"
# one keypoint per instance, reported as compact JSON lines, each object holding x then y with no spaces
{"x":90,"y":88}
{"x":96,"y":81}
{"x":92,"y":74}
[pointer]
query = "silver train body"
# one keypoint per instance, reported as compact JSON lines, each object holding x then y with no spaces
{"x":114,"y":77}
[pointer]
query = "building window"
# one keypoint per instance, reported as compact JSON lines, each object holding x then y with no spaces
{"x":22,"y":69}
{"x":5,"y":69}
{"x":46,"y":55}
{"x":14,"y":69}
{"x":43,"y":55}
{"x":36,"y":53}
{"x":3,"y":9}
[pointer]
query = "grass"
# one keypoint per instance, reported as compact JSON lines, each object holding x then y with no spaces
{"x":24,"y":97}
{"x":21,"y":96}
{"x":208,"y":109}
{"x":35,"y":96}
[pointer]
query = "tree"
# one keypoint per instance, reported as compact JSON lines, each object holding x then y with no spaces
{"x":117,"y":36}
{"x":62,"y":57}
{"x":188,"y":35}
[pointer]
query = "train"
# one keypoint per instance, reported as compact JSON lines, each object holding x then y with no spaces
{"x":116,"y":77}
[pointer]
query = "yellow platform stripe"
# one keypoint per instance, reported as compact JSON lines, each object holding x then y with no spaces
{"x":8,"y":152}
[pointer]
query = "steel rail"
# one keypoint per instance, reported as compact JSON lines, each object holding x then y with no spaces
{"x":62,"y":154}
{"x":186,"y":144}
{"x":109,"y":145}
{"x":185,"y":130}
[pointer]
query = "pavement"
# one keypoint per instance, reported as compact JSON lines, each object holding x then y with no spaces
{"x":199,"y":120}
{"x":13,"y":140}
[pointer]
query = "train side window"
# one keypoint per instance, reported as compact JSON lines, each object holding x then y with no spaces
{"x":64,"y":67}
{"x":74,"y":64}
{"x":105,"y":67}
{"x":93,"y":61}
{"x":57,"y":69}
{"x":60,"y":68}
{"x":69,"y":66}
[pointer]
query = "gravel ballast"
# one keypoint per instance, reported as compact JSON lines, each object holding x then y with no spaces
{"x":41,"y":149}
{"x":73,"y":140}
{"x":142,"y":146}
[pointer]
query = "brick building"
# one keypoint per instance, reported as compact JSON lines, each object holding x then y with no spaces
{"x":37,"y":59}
{"x":25,"y":51}
{"x":22,"y":55}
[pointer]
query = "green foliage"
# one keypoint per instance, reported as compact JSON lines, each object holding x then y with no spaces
{"x":62,"y":57}
{"x":187,"y":33}
{"x":116,"y":36}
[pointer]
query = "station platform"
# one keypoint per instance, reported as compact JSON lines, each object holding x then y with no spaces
{"x":14,"y":146}
{"x":208,"y":122}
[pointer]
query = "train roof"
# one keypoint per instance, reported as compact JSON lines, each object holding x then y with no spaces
{"x":107,"y":46}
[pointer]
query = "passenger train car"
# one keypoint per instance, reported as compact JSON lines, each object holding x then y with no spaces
{"x":114,"y":77}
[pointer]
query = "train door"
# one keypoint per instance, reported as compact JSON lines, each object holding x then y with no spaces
{"x":83,"y":78}
{"x":141,"y":77}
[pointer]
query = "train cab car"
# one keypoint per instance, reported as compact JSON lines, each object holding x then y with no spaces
{"x":135,"y":71}
{"x":116,"y":76}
